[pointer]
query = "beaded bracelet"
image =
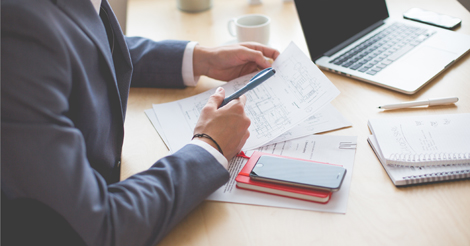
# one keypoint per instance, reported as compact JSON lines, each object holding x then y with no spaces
{"x":203,"y":135}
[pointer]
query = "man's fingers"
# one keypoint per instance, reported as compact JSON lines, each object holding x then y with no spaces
{"x":259,"y":59}
{"x":242,"y":100}
{"x":256,"y":54}
{"x":217,"y":98}
{"x":267,"y":51}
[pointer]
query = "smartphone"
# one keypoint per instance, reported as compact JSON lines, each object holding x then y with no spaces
{"x":298,"y":173}
{"x":432,"y":18}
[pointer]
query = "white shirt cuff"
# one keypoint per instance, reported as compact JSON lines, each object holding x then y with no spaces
{"x":217,"y":155}
{"x":188,"y":74}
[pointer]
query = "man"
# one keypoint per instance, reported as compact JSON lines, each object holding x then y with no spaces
{"x":66,"y":72}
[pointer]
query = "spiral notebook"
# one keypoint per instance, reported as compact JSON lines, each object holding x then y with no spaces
{"x":422,"y":149}
{"x":423,"y":140}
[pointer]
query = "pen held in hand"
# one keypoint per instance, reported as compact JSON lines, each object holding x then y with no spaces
{"x":428,"y":102}
{"x":259,"y":78}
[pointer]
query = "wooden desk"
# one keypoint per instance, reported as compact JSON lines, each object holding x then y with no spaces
{"x":378,"y":212}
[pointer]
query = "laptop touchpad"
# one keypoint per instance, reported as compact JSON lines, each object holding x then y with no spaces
{"x":417,"y":67}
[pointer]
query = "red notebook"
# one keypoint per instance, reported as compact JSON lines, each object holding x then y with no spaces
{"x":244,"y":182}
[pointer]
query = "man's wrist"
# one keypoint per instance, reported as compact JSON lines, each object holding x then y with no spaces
{"x":199,"y":60}
{"x":205,"y":144}
{"x":213,"y":142}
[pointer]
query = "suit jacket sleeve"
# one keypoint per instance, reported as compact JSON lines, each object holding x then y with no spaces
{"x":44,"y":155}
{"x":156,"y":64}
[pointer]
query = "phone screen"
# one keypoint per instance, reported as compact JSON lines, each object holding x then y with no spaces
{"x":432,"y":18}
{"x":298,"y":173}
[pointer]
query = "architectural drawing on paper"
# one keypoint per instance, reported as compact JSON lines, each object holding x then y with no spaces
{"x":300,"y":82}
{"x":271,"y":106}
{"x":266,"y":112}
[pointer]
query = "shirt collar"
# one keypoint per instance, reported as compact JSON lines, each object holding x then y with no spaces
{"x":96,"y":5}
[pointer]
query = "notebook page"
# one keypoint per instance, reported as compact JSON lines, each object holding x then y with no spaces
{"x":423,"y":140}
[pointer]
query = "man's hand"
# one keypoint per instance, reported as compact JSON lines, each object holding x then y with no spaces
{"x":228,"y":125}
{"x":230,"y":62}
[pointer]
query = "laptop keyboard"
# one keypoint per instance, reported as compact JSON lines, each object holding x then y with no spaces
{"x":382,"y":49}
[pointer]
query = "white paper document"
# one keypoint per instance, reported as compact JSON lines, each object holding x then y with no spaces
{"x":295,"y":93}
{"x":156,"y":124}
{"x":332,"y":149}
{"x":327,"y":119}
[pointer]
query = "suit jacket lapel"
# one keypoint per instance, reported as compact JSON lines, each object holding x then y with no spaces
{"x":85,"y":16}
{"x":121,"y":57}
{"x":118,"y":33}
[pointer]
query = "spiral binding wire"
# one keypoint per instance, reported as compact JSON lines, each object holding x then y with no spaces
{"x":438,"y":176}
{"x":428,"y":159}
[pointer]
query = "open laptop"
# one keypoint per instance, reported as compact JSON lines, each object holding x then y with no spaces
{"x":356,"y":38}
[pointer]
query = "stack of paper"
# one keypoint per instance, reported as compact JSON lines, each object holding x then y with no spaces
{"x":295,"y":102}
{"x":292,"y":104}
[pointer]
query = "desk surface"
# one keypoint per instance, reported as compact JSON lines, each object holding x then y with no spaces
{"x":378,"y":213}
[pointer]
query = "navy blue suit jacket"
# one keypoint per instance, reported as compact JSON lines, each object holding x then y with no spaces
{"x":66,"y":74}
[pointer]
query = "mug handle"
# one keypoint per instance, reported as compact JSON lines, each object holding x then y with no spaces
{"x":230,"y":26}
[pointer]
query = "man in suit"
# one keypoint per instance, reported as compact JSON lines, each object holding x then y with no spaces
{"x":66,"y":73}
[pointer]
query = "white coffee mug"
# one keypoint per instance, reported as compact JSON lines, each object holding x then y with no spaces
{"x":253,"y":27}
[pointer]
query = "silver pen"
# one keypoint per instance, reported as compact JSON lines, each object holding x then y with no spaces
{"x":428,"y":102}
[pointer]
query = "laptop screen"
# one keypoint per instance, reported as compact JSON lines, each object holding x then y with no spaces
{"x":328,"y":23}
